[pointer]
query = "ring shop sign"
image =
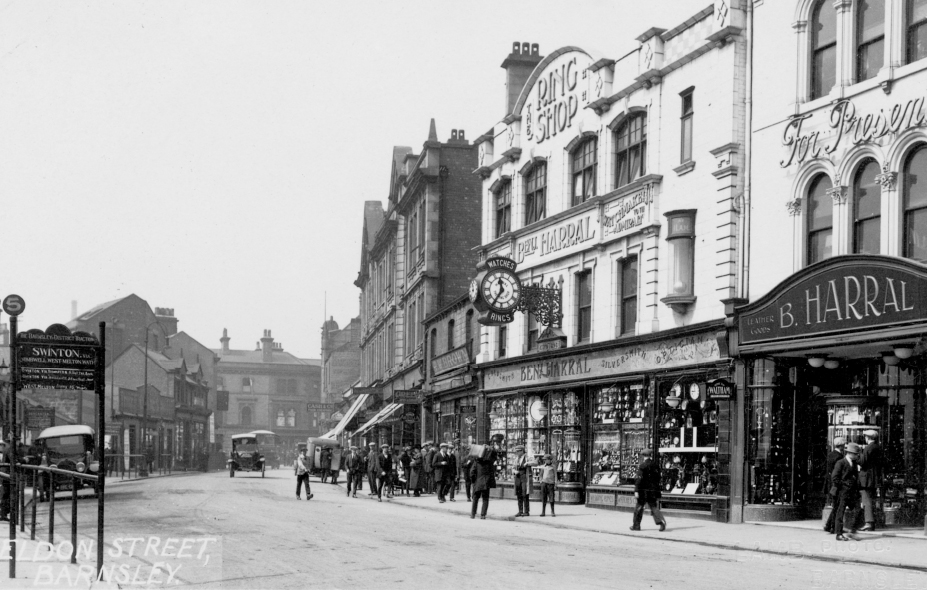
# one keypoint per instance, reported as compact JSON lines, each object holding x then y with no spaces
{"x":843,"y":294}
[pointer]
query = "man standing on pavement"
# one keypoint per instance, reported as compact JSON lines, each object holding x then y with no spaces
{"x":835,"y":455}
{"x":354,"y":466}
{"x":429,"y":456}
{"x":5,"y":487}
{"x":373,"y":465}
{"x":302,"y":475}
{"x":444,"y":471}
{"x":405,"y":460}
{"x":384,"y":465}
{"x":870,"y":476}
{"x":464,"y":463}
{"x":845,"y":486}
{"x":522,"y":469}
{"x":483,"y":475}
{"x":647,"y":491}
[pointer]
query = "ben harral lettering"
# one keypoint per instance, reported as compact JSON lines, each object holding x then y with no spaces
{"x":554,"y":369}
{"x":856,"y":298}
{"x":556,"y":239}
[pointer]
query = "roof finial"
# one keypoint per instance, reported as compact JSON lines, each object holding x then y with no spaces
{"x":432,"y":132}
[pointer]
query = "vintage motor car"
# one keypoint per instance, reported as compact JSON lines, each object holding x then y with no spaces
{"x":246,"y":454}
{"x":70,"y":448}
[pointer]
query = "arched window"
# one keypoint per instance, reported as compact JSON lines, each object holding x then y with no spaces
{"x":291,"y":417}
{"x":870,"y":38}
{"x":245,"y":419}
{"x":503,"y":198}
{"x":583,"y":168}
{"x":536,"y":193}
{"x":916,"y":21}
{"x":915,"y":205}
{"x":824,"y":48}
{"x":450,"y":335}
{"x":281,"y":420}
{"x":631,"y":142}
{"x":867,"y":209}
{"x":820,"y":220}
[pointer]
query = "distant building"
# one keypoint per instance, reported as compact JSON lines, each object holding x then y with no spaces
{"x":199,"y":359}
{"x":340,"y":361}
{"x":269,"y":389}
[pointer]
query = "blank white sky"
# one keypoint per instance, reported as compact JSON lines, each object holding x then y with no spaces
{"x":214,"y":156}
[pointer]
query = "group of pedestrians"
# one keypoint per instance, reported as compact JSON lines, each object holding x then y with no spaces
{"x":853,"y":476}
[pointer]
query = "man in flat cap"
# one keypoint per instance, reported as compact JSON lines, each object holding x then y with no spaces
{"x":373,"y":465}
{"x":428,"y":457}
{"x":845,"y":486}
{"x":384,"y":468}
{"x":647,"y":491}
{"x":835,"y":455}
{"x":522,"y":470}
{"x":444,"y":468}
{"x":870,"y":475}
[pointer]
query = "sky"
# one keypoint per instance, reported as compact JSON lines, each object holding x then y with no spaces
{"x":214,"y":156}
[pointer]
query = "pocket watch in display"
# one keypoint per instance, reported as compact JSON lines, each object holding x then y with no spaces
{"x":501,"y":290}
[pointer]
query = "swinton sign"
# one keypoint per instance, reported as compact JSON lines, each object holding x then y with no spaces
{"x":846,"y":293}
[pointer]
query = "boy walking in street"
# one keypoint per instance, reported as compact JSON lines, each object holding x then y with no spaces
{"x":548,"y":485}
{"x":301,"y":469}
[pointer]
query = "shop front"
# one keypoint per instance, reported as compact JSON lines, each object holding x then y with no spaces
{"x":835,"y":350}
{"x":595,"y":409}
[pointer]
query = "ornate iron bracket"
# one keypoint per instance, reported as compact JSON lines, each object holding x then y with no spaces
{"x":546,"y":303}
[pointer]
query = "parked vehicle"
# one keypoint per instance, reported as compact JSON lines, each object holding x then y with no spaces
{"x":315,"y":446}
{"x":246,"y":454}
{"x":70,"y":448}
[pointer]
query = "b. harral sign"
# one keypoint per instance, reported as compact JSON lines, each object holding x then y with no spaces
{"x":845,"y":294}
{"x":57,"y":359}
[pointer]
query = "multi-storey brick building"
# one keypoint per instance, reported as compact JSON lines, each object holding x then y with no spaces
{"x":416,"y":258}
{"x":613,"y":182}
{"x":269,"y":389}
{"x":341,"y":364}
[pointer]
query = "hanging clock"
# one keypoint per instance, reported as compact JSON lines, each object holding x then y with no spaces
{"x":500,"y":290}
{"x":474,"y":290}
{"x":694,"y":391}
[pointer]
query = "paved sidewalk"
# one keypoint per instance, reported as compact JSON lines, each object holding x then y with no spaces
{"x":773,"y":542}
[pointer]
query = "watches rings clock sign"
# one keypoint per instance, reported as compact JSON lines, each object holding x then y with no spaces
{"x":500,"y":289}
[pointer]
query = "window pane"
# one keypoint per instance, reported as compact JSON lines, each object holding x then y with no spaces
{"x":915,"y":180}
{"x":820,"y":204}
{"x":871,"y":20}
{"x":622,"y":169}
{"x":824,"y":24}
{"x":681,"y":266}
{"x":870,"y":59}
{"x":585,"y":323}
{"x":824,"y":74}
{"x":917,"y":11}
{"x":634,"y":156}
{"x":867,"y":236}
{"x":916,"y":234}
{"x":867,"y":193}
{"x":628,"y":315}
{"x":585,"y":289}
{"x":819,"y":246}
{"x":629,"y":277}
{"x":687,"y":139}
{"x":917,"y":42}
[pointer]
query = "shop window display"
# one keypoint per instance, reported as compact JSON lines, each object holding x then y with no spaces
{"x":688,"y":438}
{"x":622,"y":429}
{"x":770,"y":419}
{"x":548,"y":422}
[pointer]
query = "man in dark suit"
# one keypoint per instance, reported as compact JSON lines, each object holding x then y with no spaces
{"x":835,"y":455}
{"x":647,"y":491}
{"x":870,"y":476}
{"x":373,"y":467}
{"x":428,"y":456}
{"x":384,"y":462}
{"x":354,"y":466}
{"x":845,"y":486}
{"x":444,"y":468}
{"x":522,"y":469}
{"x":483,"y":475}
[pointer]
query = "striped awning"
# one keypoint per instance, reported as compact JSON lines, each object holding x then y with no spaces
{"x":383,"y":414}
{"x":352,"y":411}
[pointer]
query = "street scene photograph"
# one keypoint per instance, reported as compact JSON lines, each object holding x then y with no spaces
{"x":473,"y":294}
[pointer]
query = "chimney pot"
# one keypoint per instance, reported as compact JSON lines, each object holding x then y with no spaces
{"x":525,"y":48}
{"x":460,"y":134}
{"x":516,"y":46}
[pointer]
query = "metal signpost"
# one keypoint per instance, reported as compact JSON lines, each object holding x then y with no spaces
{"x":55,"y":359}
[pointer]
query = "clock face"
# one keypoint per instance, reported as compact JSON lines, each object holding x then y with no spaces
{"x":501,"y":290}
{"x":474,"y":291}
{"x":694,"y":391}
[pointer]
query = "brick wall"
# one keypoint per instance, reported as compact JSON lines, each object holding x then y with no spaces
{"x":461,"y":224}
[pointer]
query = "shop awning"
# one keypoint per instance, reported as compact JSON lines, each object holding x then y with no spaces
{"x":337,"y":430}
{"x":383,"y":414}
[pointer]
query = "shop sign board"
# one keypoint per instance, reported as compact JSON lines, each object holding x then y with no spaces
{"x":628,"y":214}
{"x":720,"y":389}
{"x":57,"y":359}
{"x":407,"y":396}
{"x":454,"y":359}
{"x":467,"y":409}
{"x":410,"y":414}
{"x":556,"y":240}
{"x":40,"y":418}
{"x":318,"y":406}
{"x":664,"y":354}
{"x":843,"y":294}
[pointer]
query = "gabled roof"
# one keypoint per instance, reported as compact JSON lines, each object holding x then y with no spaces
{"x":90,"y":313}
{"x":256,"y":357}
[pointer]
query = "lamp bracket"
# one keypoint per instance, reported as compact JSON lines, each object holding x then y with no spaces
{"x":546,"y":303}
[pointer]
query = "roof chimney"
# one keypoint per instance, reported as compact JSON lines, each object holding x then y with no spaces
{"x":165,"y":316}
{"x":267,"y":346}
{"x":225,"y":341}
{"x":518,"y":67}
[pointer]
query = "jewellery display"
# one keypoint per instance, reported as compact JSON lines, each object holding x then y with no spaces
{"x":688,"y":442}
{"x":621,"y":430}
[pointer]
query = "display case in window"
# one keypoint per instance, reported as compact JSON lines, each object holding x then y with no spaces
{"x":770,"y":424}
{"x":621,"y":429}
{"x":687,"y":438}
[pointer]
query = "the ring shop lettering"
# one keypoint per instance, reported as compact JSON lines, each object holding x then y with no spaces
{"x":556,"y":102}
